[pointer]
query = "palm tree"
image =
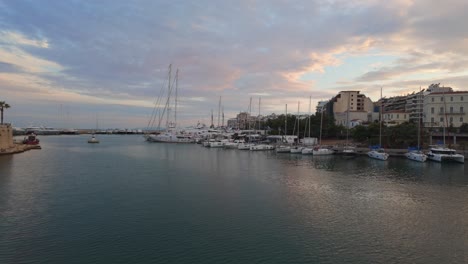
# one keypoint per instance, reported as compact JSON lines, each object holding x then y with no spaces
{"x":3,"y":106}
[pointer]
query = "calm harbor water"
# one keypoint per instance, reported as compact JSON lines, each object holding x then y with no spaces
{"x":128,"y":201}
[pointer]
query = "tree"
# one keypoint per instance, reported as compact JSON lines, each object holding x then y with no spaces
{"x":3,"y":106}
{"x":464,"y":128}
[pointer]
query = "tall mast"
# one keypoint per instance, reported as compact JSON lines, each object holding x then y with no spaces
{"x":219,"y":109}
{"x":321,"y":121}
{"x":310,"y":113}
{"x":286,"y":121}
{"x":250,"y":112}
{"x":298,"y":120}
{"x":347,"y":119}
{"x":419,"y":116}
{"x":222,"y":123}
{"x":380,"y":119}
{"x":259,"y":105}
{"x":175,"y":107}
{"x":168,"y":96}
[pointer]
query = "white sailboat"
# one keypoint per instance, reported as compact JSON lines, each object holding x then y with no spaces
{"x":284,"y":148}
{"x":171,"y":135}
{"x":93,"y":139}
{"x":308,"y":150}
{"x":417,"y":154}
{"x":379,"y":153}
{"x":321,"y":150}
{"x":297,"y":149}
{"x":348,"y":150}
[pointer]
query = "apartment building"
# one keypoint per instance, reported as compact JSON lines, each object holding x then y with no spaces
{"x":444,"y":109}
{"x":351,"y":105}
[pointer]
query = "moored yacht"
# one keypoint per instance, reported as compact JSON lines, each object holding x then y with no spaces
{"x":283,"y":149}
{"x":296,"y":150}
{"x":261,"y":147}
{"x":321,"y":151}
{"x":307,"y":151}
{"x":442,"y":154}
{"x":244,"y":146}
{"x":378,"y":153}
{"x":416,"y":155}
{"x":93,"y":139}
{"x":170,"y":137}
{"x":349,"y":151}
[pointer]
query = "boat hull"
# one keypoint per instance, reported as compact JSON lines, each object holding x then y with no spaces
{"x":377,"y":155}
{"x":322,"y":152}
{"x":420,"y":157}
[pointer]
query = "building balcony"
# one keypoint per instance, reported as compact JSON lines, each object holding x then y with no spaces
{"x":452,"y":113}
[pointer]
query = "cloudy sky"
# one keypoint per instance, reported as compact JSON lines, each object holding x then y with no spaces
{"x":62,"y":63}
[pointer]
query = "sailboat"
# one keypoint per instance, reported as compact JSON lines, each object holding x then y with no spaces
{"x":297,"y":149}
{"x":284,"y":148}
{"x":308,"y":150}
{"x":320,"y":150}
{"x":93,"y":139}
{"x":171,"y":135}
{"x":417,"y":154}
{"x":378,"y":152}
{"x":348,"y":150}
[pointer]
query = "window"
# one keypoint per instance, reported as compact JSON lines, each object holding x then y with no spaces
{"x":461,"y":109}
{"x":441,"y":119}
{"x":391,"y":116}
{"x":432,"y":110}
{"x":404,"y":116}
{"x":451,"y":109}
{"x":461,"y":98}
{"x":442,"y":99}
{"x":451,"y":98}
{"x":398,"y":116}
{"x":432,"y":120}
{"x":352,"y":99}
{"x":441,"y":110}
{"x":461,"y":119}
{"x":451,"y":119}
{"x":432,"y":99}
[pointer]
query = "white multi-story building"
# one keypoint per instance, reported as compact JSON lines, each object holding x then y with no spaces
{"x":444,"y":109}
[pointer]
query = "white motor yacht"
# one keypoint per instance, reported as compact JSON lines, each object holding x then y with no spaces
{"x":442,"y":154}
